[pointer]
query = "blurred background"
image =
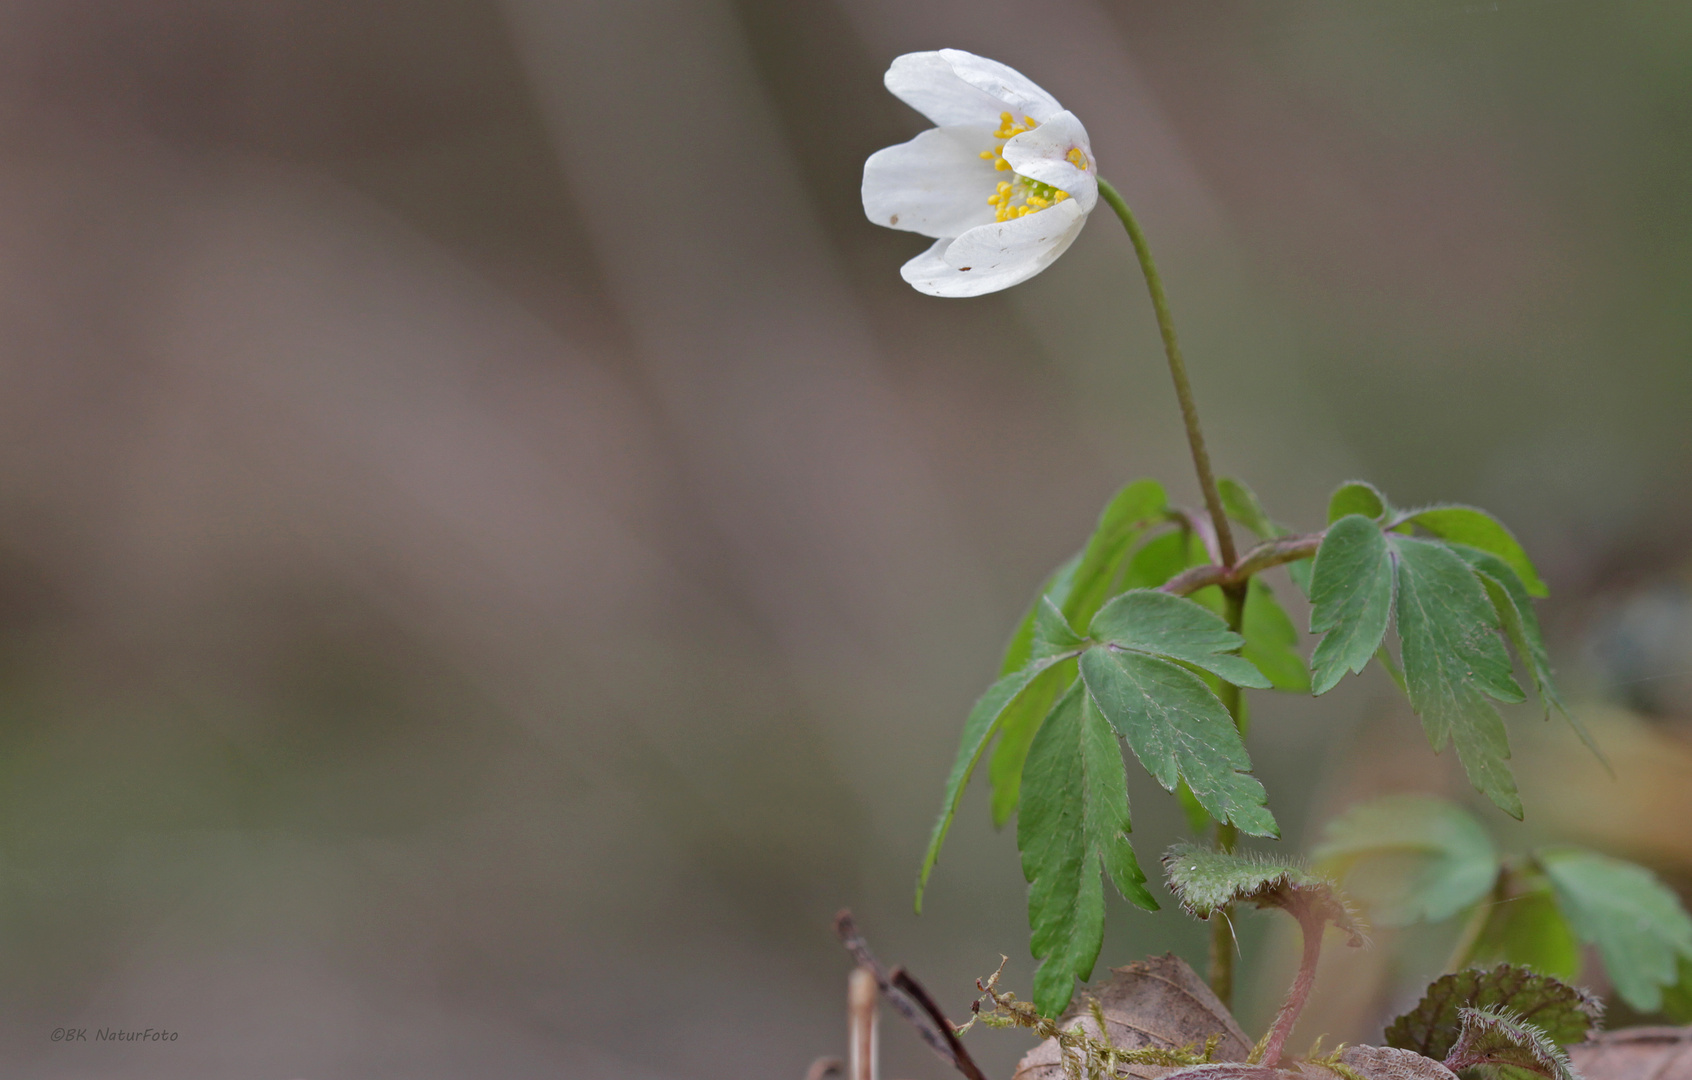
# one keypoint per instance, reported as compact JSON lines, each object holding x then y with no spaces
{"x":492,"y":556}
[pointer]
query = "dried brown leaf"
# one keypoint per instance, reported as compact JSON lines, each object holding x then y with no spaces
{"x":1158,"y":1003}
{"x":1643,"y":1053}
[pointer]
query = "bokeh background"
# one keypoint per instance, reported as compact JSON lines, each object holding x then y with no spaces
{"x":492,"y":556}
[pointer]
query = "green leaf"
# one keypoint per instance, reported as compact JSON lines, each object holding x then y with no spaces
{"x":1017,"y":727}
{"x":1074,"y":823}
{"x":1499,"y":1038}
{"x":1162,"y":557}
{"x":1053,"y":635}
{"x":1637,"y":923}
{"x":1515,"y":610}
{"x":1677,"y":999}
{"x":1179,"y":731}
{"x":1351,"y":596}
{"x":1457,"y":862}
{"x":1206,"y":880}
{"x":1565,"y":1013}
{"x":1356,"y":497}
{"x":1302,"y":573}
{"x":1175,"y":725}
{"x":1239,"y":503}
{"x":1020,"y":648}
{"x":1454,"y":661}
{"x":1479,"y":529}
{"x":984,"y":720}
{"x":1156,"y":622}
{"x":1197,"y":820}
{"x":1271,"y":639}
{"x":1126,"y":517}
{"x":1527,"y":929}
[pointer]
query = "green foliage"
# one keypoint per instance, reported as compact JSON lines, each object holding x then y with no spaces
{"x":1476,"y":528}
{"x":1677,"y":999}
{"x":984,"y":721}
{"x":1206,"y":880}
{"x":1448,"y":626}
{"x":1151,"y":669}
{"x":1170,"y":719}
{"x":1134,"y":509}
{"x":1564,"y":1013}
{"x":1074,"y":822}
{"x":1511,"y":601}
{"x":1351,"y":598}
{"x":1271,"y":640}
{"x":1636,"y":921}
{"x":1528,"y":929}
{"x":1456,"y":863}
{"x":1240,"y":503}
{"x":1497,"y":1038}
{"x":1535,"y":912}
{"x":1356,"y":497}
{"x":1452,"y":664}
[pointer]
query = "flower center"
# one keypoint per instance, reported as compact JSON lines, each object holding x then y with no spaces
{"x":1021,"y":196}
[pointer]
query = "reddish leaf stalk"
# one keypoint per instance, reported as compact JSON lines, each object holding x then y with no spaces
{"x":1311,"y":924}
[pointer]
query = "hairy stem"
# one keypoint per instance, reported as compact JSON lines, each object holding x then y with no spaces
{"x":1177,"y":371}
{"x":1311,"y":924}
{"x":1222,"y":930}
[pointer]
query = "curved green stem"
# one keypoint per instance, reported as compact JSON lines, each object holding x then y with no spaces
{"x":1177,"y":371}
{"x":1221,"y":940}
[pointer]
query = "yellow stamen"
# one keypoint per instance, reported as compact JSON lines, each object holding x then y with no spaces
{"x":1077,"y":158}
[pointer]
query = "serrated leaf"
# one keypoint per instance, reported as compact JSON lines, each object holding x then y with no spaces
{"x":1179,"y":731}
{"x":1351,"y":592}
{"x":1356,"y":497}
{"x":1240,"y":503}
{"x":1453,"y":661}
{"x":1529,"y":930}
{"x":1499,"y":1038}
{"x":1515,"y":610}
{"x":1271,"y":639}
{"x":1478,"y":529}
{"x":1056,"y":588}
{"x":1197,"y":819}
{"x":1206,"y":880}
{"x":1565,"y":1013}
{"x":1458,"y":863}
{"x":983,"y":722}
{"x":1017,"y":727}
{"x":1074,"y":822}
{"x":1127,"y":516}
{"x":1149,"y":621}
{"x":1636,"y":921}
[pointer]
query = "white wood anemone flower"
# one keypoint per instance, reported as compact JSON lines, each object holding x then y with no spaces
{"x":1004,"y":182}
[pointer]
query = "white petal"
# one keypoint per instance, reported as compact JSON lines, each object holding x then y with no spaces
{"x":936,"y":184}
{"x":993,"y":257}
{"x":1021,"y":96}
{"x":1043,"y":155}
{"x":926,"y":82}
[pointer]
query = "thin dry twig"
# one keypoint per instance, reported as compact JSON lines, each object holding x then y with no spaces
{"x":861,"y":995}
{"x":910,"y":1000}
